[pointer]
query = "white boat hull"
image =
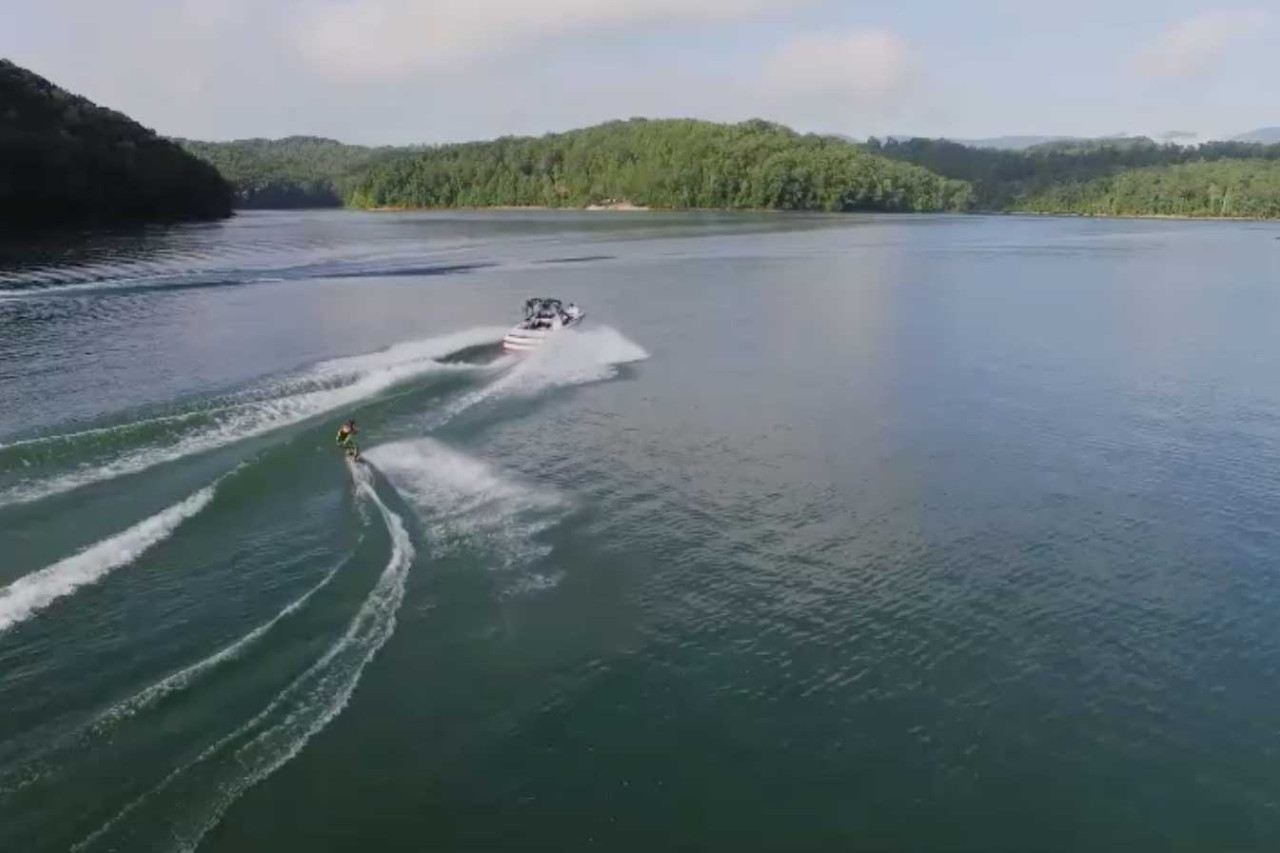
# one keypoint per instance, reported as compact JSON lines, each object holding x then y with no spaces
{"x":524,"y":340}
{"x":521,"y":339}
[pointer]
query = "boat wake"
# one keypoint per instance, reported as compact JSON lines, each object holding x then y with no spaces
{"x":58,"y":747}
{"x":191,"y":799}
{"x":184,"y":678}
{"x":467,"y":504}
{"x":32,"y":593}
{"x":98,"y":456}
{"x":571,"y":357}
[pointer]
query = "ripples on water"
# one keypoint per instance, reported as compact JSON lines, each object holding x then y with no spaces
{"x":825,"y":532}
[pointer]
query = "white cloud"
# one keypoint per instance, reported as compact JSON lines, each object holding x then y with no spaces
{"x":1196,"y":46}
{"x":867,"y":69}
{"x":388,"y":39}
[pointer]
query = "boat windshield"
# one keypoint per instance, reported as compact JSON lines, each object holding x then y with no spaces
{"x":543,"y":308}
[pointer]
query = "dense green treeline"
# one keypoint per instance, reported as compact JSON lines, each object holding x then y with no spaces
{"x":299,"y":171}
{"x":1021,"y":180}
{"x":686,"y":164}
{"x":1240,"y":188}
{"x":673,"y":164}
{"x":66,"y":161}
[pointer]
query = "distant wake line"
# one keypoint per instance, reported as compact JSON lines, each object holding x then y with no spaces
{"x":42,"y":284}
{"x":107,"y":430}
{"x":238,"y":761}
{"x":183,"y":678}
{"x":31,"y":593}
{"x":358,"y":378}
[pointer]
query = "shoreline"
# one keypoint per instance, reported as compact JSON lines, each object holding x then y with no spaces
{"x":630,"y":208}
{"x":592,"y":208}
{"x":1170,"y":216}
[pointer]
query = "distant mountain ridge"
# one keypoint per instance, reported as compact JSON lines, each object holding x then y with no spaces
{"x":1029,"y":141}
{"x":1263,"y":135}
{"x":1015,"y":143}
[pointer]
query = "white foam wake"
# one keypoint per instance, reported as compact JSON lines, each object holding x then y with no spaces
{"x":213,"y":781}
{"x":331,"y":385}
{"x":572,"y":357}
{"x":579,"y":356}
{"x":467,"y":502}
{"x":175,"y":682}
{"x":185,"y":677}
{"x":31,"y":593}
{"x":102,"y":431}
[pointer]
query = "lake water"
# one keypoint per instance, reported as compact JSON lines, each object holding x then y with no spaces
{"x":876,"y":533}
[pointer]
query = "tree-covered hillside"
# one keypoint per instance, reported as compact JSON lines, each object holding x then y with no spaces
{"x":299,"y":171}
{"x":686,"y":164}
{"x":1242,"y":188}
{"x":65,"y":160}
{"x":674,"y":164}
{"x":1009,"y":180}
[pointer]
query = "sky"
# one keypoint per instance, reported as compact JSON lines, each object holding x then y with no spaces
{"x":426,"y":71}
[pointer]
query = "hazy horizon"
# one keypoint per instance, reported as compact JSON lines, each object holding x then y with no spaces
{"x":410,"y":72}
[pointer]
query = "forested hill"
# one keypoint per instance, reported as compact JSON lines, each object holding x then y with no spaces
{"x":672,"y":164}
{"x":1223,"y":188}
{"x":67,"y":161}
{"x":687,"y":164}
{"x":299,"y":171}
{"x":1042,"y":177}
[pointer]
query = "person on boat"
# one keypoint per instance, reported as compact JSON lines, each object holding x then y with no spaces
{"x":572,"y":313}
{"x":347,"y":439}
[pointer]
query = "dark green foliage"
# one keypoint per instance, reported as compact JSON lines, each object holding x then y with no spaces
{"x":1243,"y":188}
{"x":299,"y":171}
{"x":674,"y":164}
{"x":1043,"y":177}
{"x":64,"y":161}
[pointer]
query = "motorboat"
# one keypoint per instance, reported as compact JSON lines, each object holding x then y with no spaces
{"x":543,"y":318}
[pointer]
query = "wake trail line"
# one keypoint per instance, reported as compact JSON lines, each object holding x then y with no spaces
{"x":330,"y":385}
{"x":213,"y":781}
{"x":185,"y":677}
{"x":60,"y":438}
{"x":150,"y":696}
{"x":31,"y":593}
